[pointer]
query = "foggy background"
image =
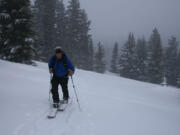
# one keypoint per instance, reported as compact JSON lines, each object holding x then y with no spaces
{"x":112,"y":20}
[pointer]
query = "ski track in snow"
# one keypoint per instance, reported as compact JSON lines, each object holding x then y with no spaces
{"x":40,"y":124}
{"x":110,"y":105}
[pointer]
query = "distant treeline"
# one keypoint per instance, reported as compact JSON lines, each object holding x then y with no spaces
{"x":148,"y":61}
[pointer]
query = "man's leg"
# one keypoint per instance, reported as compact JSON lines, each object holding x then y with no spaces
{"x":64,"y":85}
{"x":54,"y":90}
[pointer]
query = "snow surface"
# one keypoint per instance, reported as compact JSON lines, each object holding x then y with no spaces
{"x":111,"y":105}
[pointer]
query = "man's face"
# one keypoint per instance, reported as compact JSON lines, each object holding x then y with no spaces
{"x":59,"y":55}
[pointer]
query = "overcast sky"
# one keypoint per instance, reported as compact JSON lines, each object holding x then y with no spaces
{"x":112,"y":20}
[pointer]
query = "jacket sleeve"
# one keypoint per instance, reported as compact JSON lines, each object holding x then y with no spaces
{"x":50,"y":63}
{"x":69,"y":64}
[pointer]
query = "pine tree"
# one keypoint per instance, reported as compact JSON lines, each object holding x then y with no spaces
{"x":45,"y":27}
{"x":127,"y":61}
{"x":141,"y":50}
{"x":78,"y":37}
{"x":178,"y":81}
{"x":85,"y":39}
{"x":61,"y":25}
{"x":73,"y":25}
{"x":178,"y":70}
{"x":16,"y":43}
{"x":114,"y":60}
{"x":38,"y":11}
{"x":171,"y":61}
{"x":90,"y":57}
{"x":5,"y":21}
{"x":100,"y":66}
{"x":155,"y":65}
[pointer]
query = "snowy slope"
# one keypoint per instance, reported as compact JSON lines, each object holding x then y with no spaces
{"x":111,"y":105}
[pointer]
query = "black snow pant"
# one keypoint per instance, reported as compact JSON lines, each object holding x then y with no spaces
{"x":63,"y":81}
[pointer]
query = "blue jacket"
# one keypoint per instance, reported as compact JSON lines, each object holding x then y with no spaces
{"x":59,"y":69}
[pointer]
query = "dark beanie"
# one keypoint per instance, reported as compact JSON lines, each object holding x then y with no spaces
{"x":58,"y":50}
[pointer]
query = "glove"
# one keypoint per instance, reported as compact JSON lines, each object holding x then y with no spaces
{"x":51,"y":71}
{"x":70,"y":72}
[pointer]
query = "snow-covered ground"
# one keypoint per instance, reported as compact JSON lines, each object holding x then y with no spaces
{"x":111,"y":105}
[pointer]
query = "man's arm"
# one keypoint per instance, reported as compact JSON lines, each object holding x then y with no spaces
{"x":50,"y":65}
{"x":70,"y":66}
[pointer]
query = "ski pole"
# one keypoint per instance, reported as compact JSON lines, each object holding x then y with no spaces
{"x":50,"y":87}
{"x":76,"y":93}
